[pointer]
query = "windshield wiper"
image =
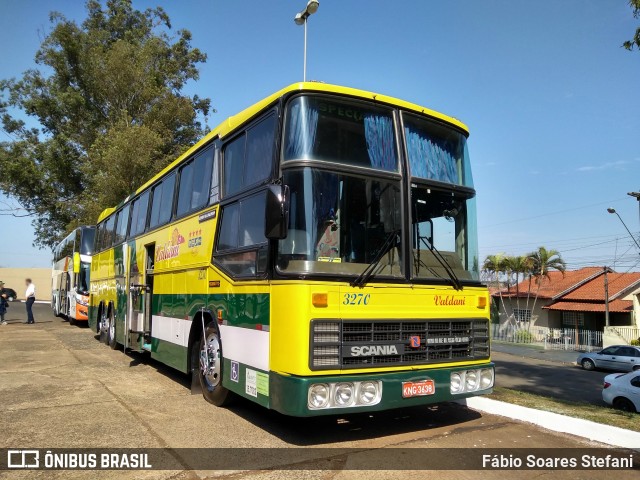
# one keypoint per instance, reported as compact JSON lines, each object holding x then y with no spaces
{"x":386,"y":247}
{"x":455,"y":281}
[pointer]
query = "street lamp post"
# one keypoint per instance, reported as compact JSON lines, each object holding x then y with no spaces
{"x":636,"y":195}
{"x":613,"y":210}
{"x":301,"y":19}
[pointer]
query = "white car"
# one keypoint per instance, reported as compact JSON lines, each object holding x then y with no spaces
{"x":622,"y":391}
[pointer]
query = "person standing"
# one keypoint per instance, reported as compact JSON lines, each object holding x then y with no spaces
{"x":3,"y":304}
{"x":30,"y":296}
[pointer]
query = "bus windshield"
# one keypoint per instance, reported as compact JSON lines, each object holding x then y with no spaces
{"x":443,"y":235}
{"x":436,"y":152}
{"x":338,"y":224}
{"x":342,"y":131}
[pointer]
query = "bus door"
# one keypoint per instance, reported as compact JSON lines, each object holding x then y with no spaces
{"x":140,"y":297}
{"x":148,"y":294}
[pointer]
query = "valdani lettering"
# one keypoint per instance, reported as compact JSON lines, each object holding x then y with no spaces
{"x":449,"y":301}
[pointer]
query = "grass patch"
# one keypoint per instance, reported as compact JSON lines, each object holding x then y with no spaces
{"x":599,"y":414}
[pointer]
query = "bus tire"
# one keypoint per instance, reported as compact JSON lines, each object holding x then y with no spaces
{"x":103,"y":326}
{"x":211,"y":382}
{"x":111,"y":332}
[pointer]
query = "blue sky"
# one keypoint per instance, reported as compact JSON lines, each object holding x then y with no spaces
{"x":549,"y":95}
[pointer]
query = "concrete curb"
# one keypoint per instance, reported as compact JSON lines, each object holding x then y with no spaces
{"x":597,"y":432}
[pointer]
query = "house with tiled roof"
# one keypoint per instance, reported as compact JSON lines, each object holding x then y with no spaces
{"x":575,"y":299}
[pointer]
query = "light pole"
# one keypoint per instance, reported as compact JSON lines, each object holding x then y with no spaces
{"x":613,"y":210}
{"x":636,"y":195}
{"x":301,"y":19}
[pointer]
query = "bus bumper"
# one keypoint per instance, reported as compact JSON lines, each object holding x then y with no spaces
{"x":82,"y":312}
{"x":290,"y":394}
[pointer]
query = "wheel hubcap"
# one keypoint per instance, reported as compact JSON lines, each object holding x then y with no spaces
{"x":210,"y":360}
{"x":104,"y":324}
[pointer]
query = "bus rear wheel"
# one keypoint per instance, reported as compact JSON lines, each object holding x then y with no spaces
{"x":207,"y":358}
{"x":111,"y":332}
{"x":103,"y":328}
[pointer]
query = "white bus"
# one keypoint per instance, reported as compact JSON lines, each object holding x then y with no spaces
{"x":70,"y":275}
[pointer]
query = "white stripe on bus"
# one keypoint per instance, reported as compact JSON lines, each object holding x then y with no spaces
{"x":246,"y":345}
{"x":169,"y":329}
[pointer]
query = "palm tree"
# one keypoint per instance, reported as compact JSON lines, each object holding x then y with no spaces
{"x":542,"y":262}
{"x":519,"y":264}
{"x":492,"y":268}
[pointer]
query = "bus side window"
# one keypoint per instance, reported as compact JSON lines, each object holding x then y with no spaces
{"x":139,"y":214}
{"x":121,"y":224}
{"x":260,"y":148}
{"x":162,"y":201}
{"x":195,"y":178}
{"x":241,"y":247}
{"x":109,"y":225}
{"x":248,"y":159}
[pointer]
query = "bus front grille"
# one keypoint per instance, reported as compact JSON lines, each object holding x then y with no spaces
{"x":343,"y":344}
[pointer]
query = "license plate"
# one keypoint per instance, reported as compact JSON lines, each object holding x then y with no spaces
{"x":418,"y":389}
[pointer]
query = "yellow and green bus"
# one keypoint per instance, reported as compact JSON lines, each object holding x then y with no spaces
{"x":315,"y":253}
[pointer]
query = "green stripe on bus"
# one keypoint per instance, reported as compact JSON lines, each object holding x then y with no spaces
{"x":247,"y":310}
{"x":170,"y":354}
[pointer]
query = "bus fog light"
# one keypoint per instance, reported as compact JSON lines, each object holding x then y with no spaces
{"x":486,"y":378}
{"x":318,"y":395}
{"x":344,"y":394}
{"x":457,"y":385}
{"x":471,"y":380}
{"x":368,"y":393}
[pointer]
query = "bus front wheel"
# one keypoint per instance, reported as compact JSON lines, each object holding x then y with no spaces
{"x":208,"y":360}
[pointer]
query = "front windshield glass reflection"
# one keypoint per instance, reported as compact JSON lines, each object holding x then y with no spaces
{"x":339,"y":223}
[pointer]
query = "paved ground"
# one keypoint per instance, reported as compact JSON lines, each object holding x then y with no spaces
{"x":59,"y":387}
{"x":534,"y":351}
{"x":553,"y":373}
{"x":562,"y":381}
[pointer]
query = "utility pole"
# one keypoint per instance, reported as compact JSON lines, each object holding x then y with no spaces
{"x":606,"y":297}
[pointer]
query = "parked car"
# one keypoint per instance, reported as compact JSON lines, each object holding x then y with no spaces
{"x":621,"y":358}
{"x":11,"y":294}
{"x":622,"y":390}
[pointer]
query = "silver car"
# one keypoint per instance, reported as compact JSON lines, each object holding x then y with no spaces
{"x":621,"y":358}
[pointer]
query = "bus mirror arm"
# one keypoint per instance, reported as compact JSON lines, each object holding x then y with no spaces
{"x":277,"y":212}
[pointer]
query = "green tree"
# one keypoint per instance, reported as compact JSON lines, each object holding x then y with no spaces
{"x":518,"y":265}
{"x":635,"y":41}
{"x":493,"y":269}
{"x":107,"y":110}
{"x":542,"y":262}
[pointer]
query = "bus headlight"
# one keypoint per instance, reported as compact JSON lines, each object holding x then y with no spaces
{"x":486,"y":378}
{"x":368,"y":393}
{"x":344,"y":394}
{"x":456,"y":383}
{"x":318,"y":395}
{"x":471,"y":380}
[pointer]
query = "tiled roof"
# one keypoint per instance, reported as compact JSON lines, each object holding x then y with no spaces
{"x":594,"y":290}
{"x":617,"y":306}
{"x":555,"y":284}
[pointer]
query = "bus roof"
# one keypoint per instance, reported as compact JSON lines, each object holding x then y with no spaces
{"x":232,"y":123}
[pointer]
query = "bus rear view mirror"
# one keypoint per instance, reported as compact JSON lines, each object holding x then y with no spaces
{"x":76,"y":262}
{"x":277,"y":212}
